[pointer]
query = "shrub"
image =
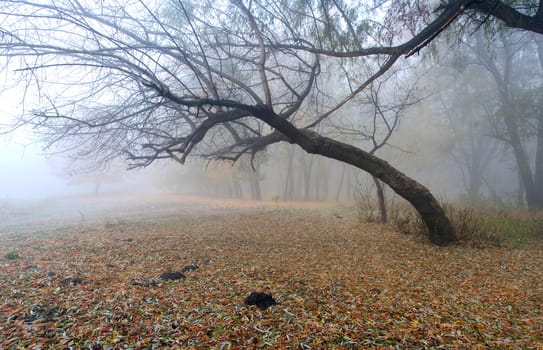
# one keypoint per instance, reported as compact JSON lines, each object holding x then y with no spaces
{"x":11,"y":256}
{"x":481,"y":227}
{"x":469,"y":227}
{"x":515,"y":227}
{"x":478,"y":226}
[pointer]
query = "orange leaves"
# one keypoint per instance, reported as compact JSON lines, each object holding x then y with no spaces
{"x":338,"y":287}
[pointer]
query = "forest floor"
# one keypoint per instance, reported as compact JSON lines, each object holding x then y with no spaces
{"x":338,"y":284}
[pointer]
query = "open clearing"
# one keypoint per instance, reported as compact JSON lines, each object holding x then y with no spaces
{"x":338,"y":284}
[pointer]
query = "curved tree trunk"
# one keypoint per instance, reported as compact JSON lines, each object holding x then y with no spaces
{"x":440,"y":229}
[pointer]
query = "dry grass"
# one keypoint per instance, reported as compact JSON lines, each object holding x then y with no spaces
{"x":481,"y":227}
{"x":477,"y":227}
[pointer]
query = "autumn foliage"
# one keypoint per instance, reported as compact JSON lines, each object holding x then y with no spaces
{"x":337,"y":283}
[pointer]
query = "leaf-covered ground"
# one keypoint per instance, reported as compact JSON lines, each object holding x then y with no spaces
{"x":339,"y":284}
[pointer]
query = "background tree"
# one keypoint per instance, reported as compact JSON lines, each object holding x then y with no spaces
{"x":510,"y":59}
{"x":375,"y":116}
{"x":511,"y":68}
{"x":469,"y":105}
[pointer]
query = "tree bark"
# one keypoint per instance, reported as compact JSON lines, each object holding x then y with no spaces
{"x":381,"y":200}
{"x":440,"y":229}
{"x":288,"y":191}
{"x":238,"y":191}
{"x":521,"y":190}
{"x":308,"y":167}
{"x":256,"y":193}
{"x":340,"y":184}
{"x":523,"y":164}
{"x":254,"y":180}
{"x":511,"y":120}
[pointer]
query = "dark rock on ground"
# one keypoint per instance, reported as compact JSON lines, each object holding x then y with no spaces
{"x":29,"y":320}
{"x":176,"y":275}
{"x":74,"y":281}
{"x":261,"y":300}
{"x":146,"y":282}
{"x":42,"y":312}
{"x":190,"y":268}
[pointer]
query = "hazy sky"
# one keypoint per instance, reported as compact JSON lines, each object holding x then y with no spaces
{"x":24,"y":170}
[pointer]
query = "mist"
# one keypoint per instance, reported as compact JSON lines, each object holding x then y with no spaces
{"x":271,"y":174}
{"x":422,"y":146}
{"x":414,"y":118}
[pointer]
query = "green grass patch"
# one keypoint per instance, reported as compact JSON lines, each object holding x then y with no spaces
{"x":513,"y":229}
{"x":11,"y":256}
{"x":480,"y":227}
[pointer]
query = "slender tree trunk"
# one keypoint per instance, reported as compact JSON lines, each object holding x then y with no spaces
{"x":475,"y":168}
{"x":350,"y":186}
{"x":440,"y":229}
{"x":308,"y":166}
{"x":381,"y":199}
{"x":289,"y":187}
{"x":325,"y":178}
{"x":521,"y":190}
{"x":317,"y":188}
{"x":238,"y":191}
{"x":511,"y":120}
{"x":521,"y":156}
{"x":256,"y":193}
{"x":495,"y":197}
{"x":475,"y":183}
{"x":254,"y":181}
{"x":341,"y":181}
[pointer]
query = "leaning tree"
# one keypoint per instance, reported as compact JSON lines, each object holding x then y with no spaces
{"x":216,"y":78}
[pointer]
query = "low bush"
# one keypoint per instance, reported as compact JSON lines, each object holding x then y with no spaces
{"x":480,"y":227}
{"x":11,"y":256}
{"x":474,"y":226}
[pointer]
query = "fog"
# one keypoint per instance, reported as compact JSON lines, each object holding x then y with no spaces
{"x":28,"y":173}
{"x":424,"y":153}
{"x":271,"y":174}
{"x":449,"y":136}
